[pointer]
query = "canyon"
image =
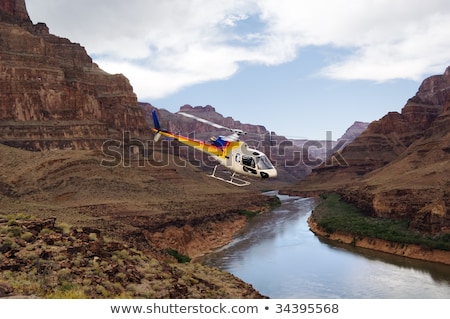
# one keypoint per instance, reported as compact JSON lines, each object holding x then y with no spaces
{"x":399,"y":166}
{"x":68,"y":132}
{"x":79,"y":162}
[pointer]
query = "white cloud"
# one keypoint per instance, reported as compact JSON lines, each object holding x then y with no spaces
{"x":163,"y":46}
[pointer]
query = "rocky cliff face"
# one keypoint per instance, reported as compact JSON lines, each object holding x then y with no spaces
{"x":14,"y":11}
{"x":400,"y":166}
{"x":51,"y":93}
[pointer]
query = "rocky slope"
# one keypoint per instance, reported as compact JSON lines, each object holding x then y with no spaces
{"x":105,"y":219}
{"x":42,"y":258}
{"x":399,"y":167}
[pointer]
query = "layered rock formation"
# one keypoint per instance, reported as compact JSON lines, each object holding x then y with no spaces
{"x":51,"y":93}
{"x":400,"y":166}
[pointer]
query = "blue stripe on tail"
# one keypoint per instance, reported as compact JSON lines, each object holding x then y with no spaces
{"x":155,"y":120}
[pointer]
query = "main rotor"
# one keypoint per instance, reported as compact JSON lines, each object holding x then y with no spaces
{"x":234,"y":131}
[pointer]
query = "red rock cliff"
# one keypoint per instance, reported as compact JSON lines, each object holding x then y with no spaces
{"x":52,"y":94}
{"x":14,"y":11}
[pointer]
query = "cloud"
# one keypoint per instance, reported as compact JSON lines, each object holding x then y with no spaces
{"x":410,"y":47}
{"x":164,"y":46}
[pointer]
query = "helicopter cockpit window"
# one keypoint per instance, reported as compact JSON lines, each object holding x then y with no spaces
{"x":248,"y":161}
{"x":263,"y":163}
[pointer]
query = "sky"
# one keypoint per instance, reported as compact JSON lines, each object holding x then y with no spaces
{"x":301,"y":68}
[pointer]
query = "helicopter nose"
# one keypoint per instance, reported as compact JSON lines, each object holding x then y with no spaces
{"x":268,"y":173}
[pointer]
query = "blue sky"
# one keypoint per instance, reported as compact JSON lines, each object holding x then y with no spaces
{"x":300,"y":68}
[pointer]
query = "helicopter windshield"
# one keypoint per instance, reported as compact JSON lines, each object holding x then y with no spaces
{"x":263,"y":162}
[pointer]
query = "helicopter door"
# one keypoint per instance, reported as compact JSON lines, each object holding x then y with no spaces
{"x":249,"y":164}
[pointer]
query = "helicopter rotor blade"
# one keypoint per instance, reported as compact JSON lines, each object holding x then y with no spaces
{"x":205,"y":121}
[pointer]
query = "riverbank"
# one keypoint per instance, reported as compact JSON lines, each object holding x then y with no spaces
{"x":43,"y":258}
{"x":332,"y":219}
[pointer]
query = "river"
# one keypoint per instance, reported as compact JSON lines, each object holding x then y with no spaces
{"x":282,"y":258}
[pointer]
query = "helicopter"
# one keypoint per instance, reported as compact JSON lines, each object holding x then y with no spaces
{"x":229,"y":151}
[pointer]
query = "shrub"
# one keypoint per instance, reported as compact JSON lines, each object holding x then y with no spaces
{"x":46,"y":231}
{"x":64,"y":227}
{"x":27,"y":236}
{"x":248,"y":214}
{"x":178,"y":256}
{"x":15,"y":231}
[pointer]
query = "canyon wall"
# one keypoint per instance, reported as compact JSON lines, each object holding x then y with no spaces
{"x":51,"y":93}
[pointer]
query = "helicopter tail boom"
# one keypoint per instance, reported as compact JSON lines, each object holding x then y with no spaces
{"x":214,"y":150}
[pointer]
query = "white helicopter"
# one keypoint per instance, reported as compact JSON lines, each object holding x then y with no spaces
{"x":229,"y":151}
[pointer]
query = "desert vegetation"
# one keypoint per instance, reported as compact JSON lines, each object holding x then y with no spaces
{"x":334,"y":215}
{"x":40,"y":258}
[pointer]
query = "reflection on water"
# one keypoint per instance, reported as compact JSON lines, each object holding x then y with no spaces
{"x":282,"y":258}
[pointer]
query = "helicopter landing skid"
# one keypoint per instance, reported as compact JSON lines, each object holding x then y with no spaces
{"x":233,"y":179}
